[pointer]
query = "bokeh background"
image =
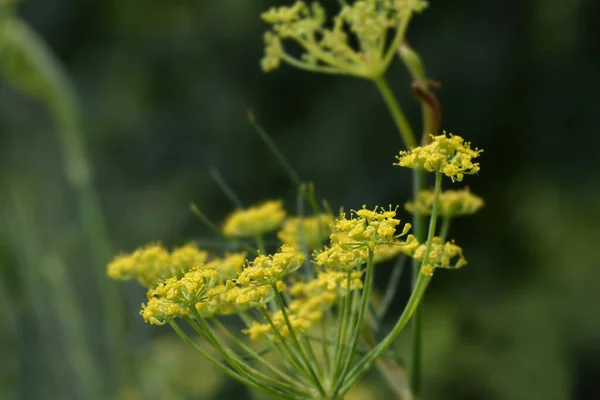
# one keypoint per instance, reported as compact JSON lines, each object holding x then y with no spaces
{"x":163,"y":89}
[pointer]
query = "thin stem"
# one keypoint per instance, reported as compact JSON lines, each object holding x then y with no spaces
{"x":238,"y":365}
{"x":445,"y":227}
{"x":216,"y":175}
{"x":260,"y":243}
{"x":419,"y":184}
{"x":361,"y":317}
{"x":348,"y":333}
{"x":413,"y":302}
{"x":396,"y":42}
{"x":293,"y":175}
{"x":213,"y":227}
{"x":343,"y":316}
{"x":390,"y":290}
{"x":311,"y":68}
{"x":325,"y":324}
{"x":291,"y":352}
{"x":295,"y":339}
{"x":268,"y":365}
{"x":406,"y":132}
{"x":216,"y":362}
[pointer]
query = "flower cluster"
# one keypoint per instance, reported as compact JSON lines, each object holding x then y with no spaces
{"x":365,"y":52}
{"x":441,"y":255}
{"x":447,"y":154}
{"x":256,"y":220}
{"x":365,"y":229}
{"x":307,"y":232}
{"x":151,"y":263}
{"x":267,"y":270}
{"x":452,"y":203}
{"x":176,"y":296}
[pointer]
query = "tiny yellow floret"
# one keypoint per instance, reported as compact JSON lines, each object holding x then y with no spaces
{"x":256,"y":220}
{"x":175,"y":297}
{"x":452,"y":203}
{"x":266,"y":270}
{"x":306,"y":233}
{"x":441,"y":255}
{"x":447,"y":154}
{"x":151,"y":263}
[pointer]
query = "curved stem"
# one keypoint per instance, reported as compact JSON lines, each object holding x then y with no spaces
{"x":221,"y":366}
{"x":311,"y":68}
{"x":361,"y":318}
{"x":396,"y":42}
{"x":295,"y":340}
{"x":241,"y":367}
{"x":340,"y":336}
{"x":419,"y":184}
{"x":445,"y":228}
{"x":256,"y":356}
{"x":406,"y":132}
{"x":296,"y":359}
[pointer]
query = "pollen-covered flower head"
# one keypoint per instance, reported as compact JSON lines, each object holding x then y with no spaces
{"x":447,"y":153}
{"x":151,"y":263}
{"x":365,"y":229}
{"x":266,"y":270}
{"x":176,"y":296}
{"x":307,"y":232}
{"x":240,"y":298}
{"x":368,"y":227}
{"x":452,"y":203}
{"x":442,"y":255}
{"x":256,"y":220}
{"x":355,"y":42}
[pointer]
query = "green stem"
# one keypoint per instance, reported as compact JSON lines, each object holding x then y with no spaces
{"x":419,"y":184}
{"x":241,"y":367}
{"x":296,"y":341}
{"x":291,"y":352}
{"x":216,"y":175}
{"x":222,"y":367}
{"x":268,"y":365}
{"x":406,"y":132}
{"x":445,"y":228}
{"x":260,"y":243}
{"x":213,"y":227}
{"x":325,"y":324}
{"x":413,"y":302}
{"x":361,"y":318}
{"x":340,"y":337}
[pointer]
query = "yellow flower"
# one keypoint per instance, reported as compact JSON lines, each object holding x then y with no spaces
{"x":452,"y":203}
{"x":366,"y":227}
{"x":151,"y":263}
{"x":186,"y":257}
{"x":158,"y":311}
{"x":355,"y":43}
{"x":339,"y":258}
{"x":242,"y":297}
{"x":442,"y":255}
{"x":256,"y":220}
{"x":306,"y":233}
{"x":175,"y":297}
{"x":447,"y":154}
{"x":265,"y":270}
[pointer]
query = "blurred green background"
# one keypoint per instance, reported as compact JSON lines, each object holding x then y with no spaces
{"x":163,"y":88}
